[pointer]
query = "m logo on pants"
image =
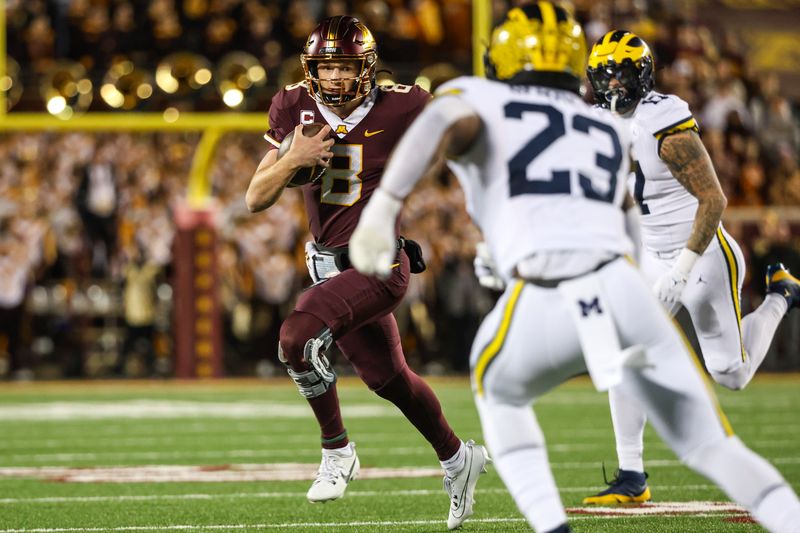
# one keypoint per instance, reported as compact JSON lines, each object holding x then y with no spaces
{"x":587,"y":308}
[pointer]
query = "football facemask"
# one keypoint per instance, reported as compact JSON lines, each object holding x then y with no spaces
{"x":342,"y":89}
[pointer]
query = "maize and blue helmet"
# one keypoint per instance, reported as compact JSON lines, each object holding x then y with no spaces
{"x":537,"y":38}
{"x":623,"y":56}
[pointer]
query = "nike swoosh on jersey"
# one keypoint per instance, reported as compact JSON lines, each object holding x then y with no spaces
{"x":368,"y":133}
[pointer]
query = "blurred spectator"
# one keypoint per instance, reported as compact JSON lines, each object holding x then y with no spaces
{"x":139,"y":301}
{"x":774,"y":244}
{"x":725,"y":106}
{"x":14,"y":282}
{"x":97,"y":204}
{"x":773,"y":119}
{"x":785,"y":189}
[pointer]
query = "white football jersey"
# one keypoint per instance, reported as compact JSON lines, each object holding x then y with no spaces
{"x":668,"y":209}
{"x":547,"y":173}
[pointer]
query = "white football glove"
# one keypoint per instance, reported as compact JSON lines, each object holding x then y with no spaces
{"x":669,"y":287}
{"x":486,"y":268}
{"x":373,"y":246}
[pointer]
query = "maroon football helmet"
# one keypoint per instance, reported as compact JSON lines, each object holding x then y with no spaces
{"x":340,"y":38}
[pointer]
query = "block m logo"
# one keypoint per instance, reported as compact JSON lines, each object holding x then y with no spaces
{"x":588,"y":308}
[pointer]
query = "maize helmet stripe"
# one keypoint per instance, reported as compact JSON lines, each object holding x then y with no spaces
{"x":550,"y":30}
{"x":613,"y":36}
{"x":618,"y":46}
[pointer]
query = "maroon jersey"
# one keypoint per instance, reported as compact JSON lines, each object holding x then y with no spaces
{"x":335,"y":202}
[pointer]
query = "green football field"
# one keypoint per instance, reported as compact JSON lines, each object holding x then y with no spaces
{"x":239,"y":456}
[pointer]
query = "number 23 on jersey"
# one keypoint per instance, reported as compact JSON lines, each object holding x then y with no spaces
{"x":559,"y":180}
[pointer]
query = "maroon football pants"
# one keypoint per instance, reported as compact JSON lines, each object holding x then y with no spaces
{"x":357,"y":309}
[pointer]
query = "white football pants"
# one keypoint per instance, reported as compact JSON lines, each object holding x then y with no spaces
{"x":732,"y":348}
{"x":529,"y":344}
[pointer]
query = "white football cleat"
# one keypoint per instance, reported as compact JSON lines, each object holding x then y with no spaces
{"x":337,"y":469}
{"x":461,"y":488}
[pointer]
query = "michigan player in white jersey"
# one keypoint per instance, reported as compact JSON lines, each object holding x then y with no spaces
{"x":688,"y":257}
{"x":543,"y":175}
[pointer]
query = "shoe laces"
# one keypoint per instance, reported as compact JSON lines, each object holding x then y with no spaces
{"x":448,"y":488}
{"x":330,"y":467}
{"x":616,"y":479}
{"x":605,"y":477}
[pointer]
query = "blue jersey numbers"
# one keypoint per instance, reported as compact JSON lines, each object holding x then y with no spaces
{"x":559,"y":180}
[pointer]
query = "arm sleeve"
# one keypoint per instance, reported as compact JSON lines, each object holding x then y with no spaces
{"x":279,"y":122}
{"x":416,"y":149}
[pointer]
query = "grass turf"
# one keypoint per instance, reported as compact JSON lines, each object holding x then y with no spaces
{"x":263,"y":422}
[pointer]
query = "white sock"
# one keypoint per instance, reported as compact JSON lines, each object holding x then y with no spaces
{"x":629,"y":421}
{"x":344,"y":451}
{"x":759,"y":327}
{"x":455,"y":464}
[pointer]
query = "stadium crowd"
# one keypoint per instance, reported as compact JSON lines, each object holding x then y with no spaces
{"x":88,"y":218}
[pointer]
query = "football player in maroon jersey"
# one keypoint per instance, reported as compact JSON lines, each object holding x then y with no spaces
{"x":363,"y":123}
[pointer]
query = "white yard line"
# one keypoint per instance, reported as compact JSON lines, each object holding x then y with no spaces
{"x":271,"y":495}
{"x":220,"y":455}
{"x":202,"y":474}
{"x":160,"y":409}
{"x":327,"y":525}
{"x":257,"y":437}
{"x":156,"y":427}
{"x":232,"y":455}
{"x":253,"y":437}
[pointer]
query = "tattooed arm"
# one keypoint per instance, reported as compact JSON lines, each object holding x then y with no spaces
{"x":689,"y":162}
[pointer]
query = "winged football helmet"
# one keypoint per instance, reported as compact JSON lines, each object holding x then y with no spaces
{"x":623,"y":56}
{"x":539,"y":37}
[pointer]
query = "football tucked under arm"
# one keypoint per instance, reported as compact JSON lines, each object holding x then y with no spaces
{"x":306,"y":174}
